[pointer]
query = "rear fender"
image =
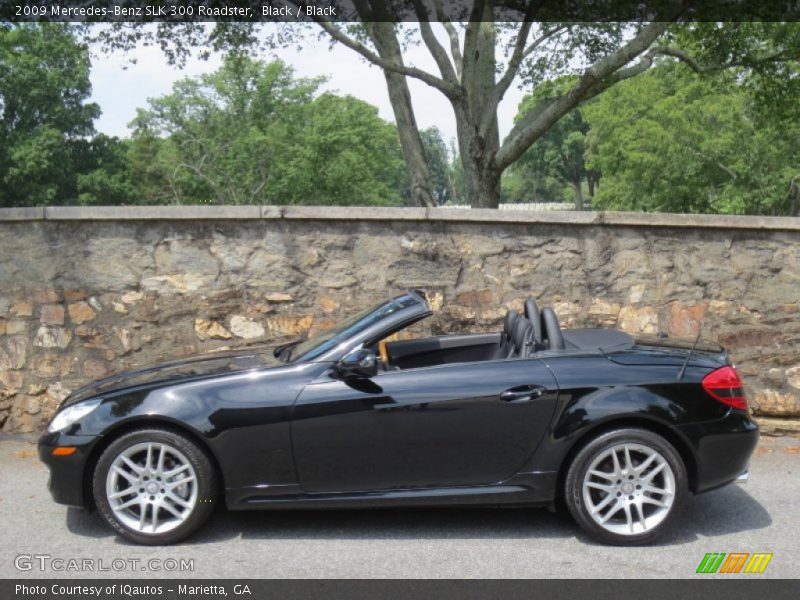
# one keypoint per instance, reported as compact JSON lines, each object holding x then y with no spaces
{"x":584,"y":415}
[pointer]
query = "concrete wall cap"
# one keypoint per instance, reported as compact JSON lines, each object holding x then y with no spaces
{"x":380,"y":213}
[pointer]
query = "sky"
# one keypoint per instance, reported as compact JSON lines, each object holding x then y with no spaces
{"x":120,"y":91}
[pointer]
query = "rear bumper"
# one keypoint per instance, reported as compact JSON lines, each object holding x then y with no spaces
{"x":66,"y":482}
{"x":722,"y":448}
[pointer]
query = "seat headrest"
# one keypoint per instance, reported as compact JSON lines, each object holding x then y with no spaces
{"x":552,"y":329}
{"x":512,"y":317}
{"x":523,"y":337}
{"x":533,"y":315}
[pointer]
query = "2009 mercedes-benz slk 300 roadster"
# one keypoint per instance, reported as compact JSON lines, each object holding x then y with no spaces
{"x":619,"y":428}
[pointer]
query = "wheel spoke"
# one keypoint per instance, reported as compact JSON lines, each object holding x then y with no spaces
{"x":628,"y":461}
{"x":603,"y":503}
{"x":149,"y":461}
{"x":122,"y":493}
{"x":648,"y":461}
{"x":168,"y":507}
{"x":640,"y":512}
{"x":611,"y":512}
{"x":615,"y":459}
{"x":142,"y":516}
{"x":649,"y":477}
{"x":154,"y":508}
{"x":599,"y":486}
{"x":131,"y":465}
{"x":183,"y":481}
{"x":628,"y":516}
{"x":651,"y":500}
{"x":178,"y":500}
{"x":161,"y":456}
{"x":127,"y":504}
{"x":176,"y":471}
{"x":657,"y":490}
{"x":604,"y":475}
{"x":130,"y":477}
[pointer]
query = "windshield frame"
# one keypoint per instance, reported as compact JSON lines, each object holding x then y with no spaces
{"x":335,"y":343}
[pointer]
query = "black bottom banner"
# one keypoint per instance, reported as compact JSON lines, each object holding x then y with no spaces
{"x":378,"y":589}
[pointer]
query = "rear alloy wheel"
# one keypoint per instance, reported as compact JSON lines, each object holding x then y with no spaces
{"x":626,"y":486}
{"x":154,"y":486}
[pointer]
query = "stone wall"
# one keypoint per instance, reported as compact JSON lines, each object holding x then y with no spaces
{"x":86,"y":292}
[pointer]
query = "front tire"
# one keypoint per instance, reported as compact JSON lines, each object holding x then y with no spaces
{"x":626,"y":486}
{"x":154,"y":486}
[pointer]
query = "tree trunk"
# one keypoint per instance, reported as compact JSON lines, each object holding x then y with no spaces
{"x":794,"y":209}
{"x":385,"y":40}
{"x":451,"y":181}
{"x":482,"y":185}
{"x":592,"y":178}
{"x":478,"y":77}
{"x":576,"y":185}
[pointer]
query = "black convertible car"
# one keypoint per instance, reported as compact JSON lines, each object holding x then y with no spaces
{"x":620,"y":429}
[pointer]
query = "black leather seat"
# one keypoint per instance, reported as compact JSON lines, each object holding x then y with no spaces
{"x":523,"y":338}
{"x":506,"y":345}
{"x":552,"y":330}
{"x":534,"y":316}
{"x":512,"y":317}
{"x":515,"y":343}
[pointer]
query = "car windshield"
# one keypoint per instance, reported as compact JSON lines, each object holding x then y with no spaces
{"x":318,"y":345}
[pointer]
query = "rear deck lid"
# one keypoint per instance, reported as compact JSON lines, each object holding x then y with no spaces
{"x":654,"y":350}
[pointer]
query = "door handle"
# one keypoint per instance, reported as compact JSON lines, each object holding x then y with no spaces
{"x":523,"y":393}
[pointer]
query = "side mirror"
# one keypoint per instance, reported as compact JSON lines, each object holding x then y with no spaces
{"x":359,"y":363}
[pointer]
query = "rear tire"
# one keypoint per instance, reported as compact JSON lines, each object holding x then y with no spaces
{"x":155,"y":486}
{"x":626,"y":486}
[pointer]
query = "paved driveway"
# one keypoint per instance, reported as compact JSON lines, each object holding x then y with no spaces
{"x":761,"y":516}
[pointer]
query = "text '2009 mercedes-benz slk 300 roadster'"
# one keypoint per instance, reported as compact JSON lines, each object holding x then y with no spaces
{"x":620,"y":429}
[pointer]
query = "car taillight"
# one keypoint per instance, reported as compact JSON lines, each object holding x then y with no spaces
{"x":724,"y":385}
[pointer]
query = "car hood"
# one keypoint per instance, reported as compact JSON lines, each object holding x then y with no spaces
{"x":176,"y":371}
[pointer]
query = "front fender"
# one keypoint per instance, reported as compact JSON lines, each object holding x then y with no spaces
{"x":244,"y":419}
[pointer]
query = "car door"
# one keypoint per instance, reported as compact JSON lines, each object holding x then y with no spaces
{"x":447,"y":425}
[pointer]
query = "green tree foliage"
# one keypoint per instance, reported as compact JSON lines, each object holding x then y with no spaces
{"x":456,"y":177}
{"x":438,"y":163}
{"x":764,"y":56}
{"x":44,"y":82}
{"x":47,"y":153}
{"x":480,"y":52}
{"x":526,"y":185}
{"x":558,"y":156}
{"x":253,"y":133}
{"x":671,"y":141}
{"x":103,"y":173}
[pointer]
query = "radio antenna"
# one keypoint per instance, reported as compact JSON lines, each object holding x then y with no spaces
{"x":686,"y":362}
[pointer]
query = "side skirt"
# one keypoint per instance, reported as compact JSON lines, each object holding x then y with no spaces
{"x":535,"y":489}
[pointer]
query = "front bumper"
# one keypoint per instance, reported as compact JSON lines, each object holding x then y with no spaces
{"x":66,"y":482}
{"x":722,"y":448}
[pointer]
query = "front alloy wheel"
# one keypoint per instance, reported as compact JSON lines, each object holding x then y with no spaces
{"x":625,"y":486}
{"x":154,"y":486}
{"x":151,"y":487}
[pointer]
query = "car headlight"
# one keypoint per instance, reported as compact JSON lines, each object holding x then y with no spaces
{"x":69,"y":415}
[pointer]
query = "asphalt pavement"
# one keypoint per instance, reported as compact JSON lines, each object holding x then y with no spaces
{"x":760,"y":516}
